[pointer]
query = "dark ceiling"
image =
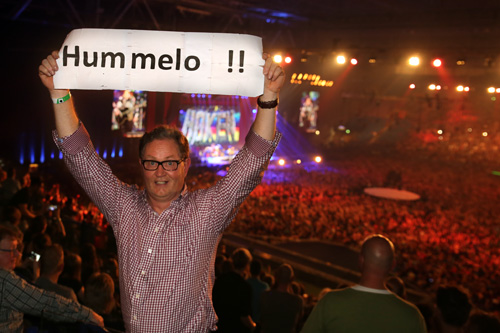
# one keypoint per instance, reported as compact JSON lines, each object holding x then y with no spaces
{"x":294,"y":25}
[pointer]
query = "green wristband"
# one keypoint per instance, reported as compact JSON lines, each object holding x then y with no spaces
{"x":62,"y":99}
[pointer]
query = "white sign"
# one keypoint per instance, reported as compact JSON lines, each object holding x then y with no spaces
{"x":205,"y":63}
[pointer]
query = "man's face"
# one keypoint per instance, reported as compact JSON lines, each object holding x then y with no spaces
{"x":8,"y":253}
{"x":164,"y":186}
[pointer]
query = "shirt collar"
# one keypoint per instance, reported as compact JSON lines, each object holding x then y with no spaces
{"x":371,"y":290}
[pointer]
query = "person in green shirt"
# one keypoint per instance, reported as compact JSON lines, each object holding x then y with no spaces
{"x":368,"y":306}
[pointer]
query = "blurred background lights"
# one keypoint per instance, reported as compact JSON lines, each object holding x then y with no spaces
{"x":354,"y":61}
{"x":485,"y":133}
{"x":437,"y":63}
{"x":317,"y":159}
{"x":341,"y":60}
{"x":281,"y":161}
{"x":278,"y":58}
{"x":414,"y":61}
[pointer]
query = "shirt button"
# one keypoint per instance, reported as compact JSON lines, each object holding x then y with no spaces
{"x":157,"y":229}
{"x":137,"y":295}
{"x":150,"y":251}
{"x":143,"y":272}
{"x":135,"y":317}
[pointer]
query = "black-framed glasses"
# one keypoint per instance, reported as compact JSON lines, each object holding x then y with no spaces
{"x":168,"y":165}
{"x":11,"y":251}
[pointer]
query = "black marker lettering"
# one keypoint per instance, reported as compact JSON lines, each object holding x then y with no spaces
{"x":113,"y":57}
{"x":76,"y":55}
{"x":143,"y":59}
{"x":86,"y":62}
{"x":196,"y":60}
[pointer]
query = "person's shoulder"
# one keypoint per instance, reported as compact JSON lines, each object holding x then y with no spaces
{"x":6,"y":274}
{"x":344,"y":292}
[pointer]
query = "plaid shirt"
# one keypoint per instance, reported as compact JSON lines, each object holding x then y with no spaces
{"x":18,"y":297}
{"x":167,"y":260}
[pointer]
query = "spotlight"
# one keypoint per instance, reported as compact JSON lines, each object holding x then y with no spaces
{"x":414,"y":61}
{"x":372,"y":60}
{"x":437,"y":62}
{"x":354,"y":61}
{"x":412,"y":86}
{"x":491,"y":90}
{"x":341,"y":60}
{"x":281,"y":162}
{"x":288,"y":59}
{"x":298,"y":161}
{"x":317,"y":159}
{"x":485,"y":134}
{"x":278,"y":58}
{"x":460,"y":62}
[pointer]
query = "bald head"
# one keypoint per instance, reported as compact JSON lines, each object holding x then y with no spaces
{"x":377,"y":253}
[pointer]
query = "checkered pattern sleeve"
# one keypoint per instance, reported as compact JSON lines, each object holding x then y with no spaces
{"x":20,"y":296}
{"x":94,"y":174}
{"x":244,"y":174}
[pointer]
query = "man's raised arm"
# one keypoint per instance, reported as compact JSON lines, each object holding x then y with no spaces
{"x":265,"y":121}
{"x":64,"y":110}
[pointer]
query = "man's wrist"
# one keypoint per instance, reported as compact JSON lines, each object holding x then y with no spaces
{"x":272,"y":104}
{"x":268,"y":96}
{"x":59,"y":93}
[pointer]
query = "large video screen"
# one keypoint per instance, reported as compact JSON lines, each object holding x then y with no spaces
{"x":212,"y":131}
{"x":309,"y":106}
{"x":129,"y":112}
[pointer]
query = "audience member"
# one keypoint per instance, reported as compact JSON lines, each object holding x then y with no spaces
{"x":193,"y":222}
{"x":90,"y":261}
{"x":258,"y":287}
{"x":232,"y":295}
{"x":368,"y":306}
{"x":452,"y":309}
{"x":10,"y":185}
{"x":12,"y":220}
{"x":51,"y":267}
{"x":99,"y":296}
{"x":281,"y":309}
{"x":30,"y":199}
{"x":482,"y":322}
{"x":72,"y":274}
{"x":19,"y":297}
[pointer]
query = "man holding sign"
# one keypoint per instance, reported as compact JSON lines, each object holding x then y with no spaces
{"x":166,"y":235}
